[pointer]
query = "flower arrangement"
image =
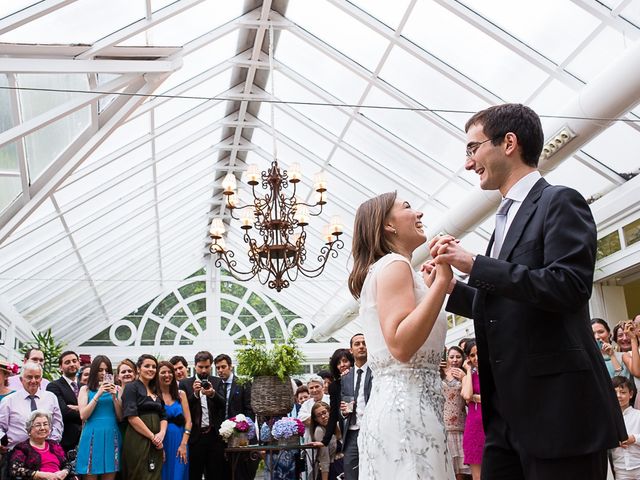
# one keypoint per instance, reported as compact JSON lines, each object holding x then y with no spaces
{"x":237,"y":424}
{"x":287,"y":427}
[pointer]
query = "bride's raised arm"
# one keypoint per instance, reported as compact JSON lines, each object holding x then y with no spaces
{"x":405,"y":325}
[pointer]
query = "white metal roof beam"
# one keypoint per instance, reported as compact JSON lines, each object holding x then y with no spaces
{"x":26,"y":15}
{"x":54,"y":180}
{"x":78,"y":256}
{"x":137,"y":27}
{"x":65,"y":65}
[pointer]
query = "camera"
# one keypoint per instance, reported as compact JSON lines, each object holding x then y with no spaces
{"x":204,"y":383}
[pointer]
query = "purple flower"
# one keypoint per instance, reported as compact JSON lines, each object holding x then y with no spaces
{"x":287,"y":427}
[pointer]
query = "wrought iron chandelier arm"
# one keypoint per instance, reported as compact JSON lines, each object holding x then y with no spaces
{"x":326,"y":251}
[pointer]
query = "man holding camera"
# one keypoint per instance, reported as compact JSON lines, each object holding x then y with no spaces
{"x":206,"y":404}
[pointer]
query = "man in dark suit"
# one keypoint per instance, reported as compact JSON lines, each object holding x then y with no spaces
{"x":206,"y":404}
{"x":66,"y":389}
{"x":359,"y":378}
{"x":542,"y":376}
{"x":238,"y":401}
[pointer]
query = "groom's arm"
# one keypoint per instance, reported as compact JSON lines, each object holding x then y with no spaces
{"x":461,"y":300}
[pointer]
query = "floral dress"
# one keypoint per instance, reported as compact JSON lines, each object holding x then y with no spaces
{"x":402,"y":434}
{"x":455,"y":414}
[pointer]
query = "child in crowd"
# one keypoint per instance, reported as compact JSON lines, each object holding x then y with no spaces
{"x":626,"y":458}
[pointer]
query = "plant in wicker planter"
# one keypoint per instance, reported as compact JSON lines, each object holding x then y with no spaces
{"x":271,"y":391}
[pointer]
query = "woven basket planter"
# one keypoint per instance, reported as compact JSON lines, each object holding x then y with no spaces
{"x":271,"y":397}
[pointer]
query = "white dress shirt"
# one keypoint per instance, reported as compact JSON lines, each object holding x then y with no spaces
{"x":360,"y":401}
{"x":16,"y":408}
{"x":518,"y":193}
{"x":625,"y":459}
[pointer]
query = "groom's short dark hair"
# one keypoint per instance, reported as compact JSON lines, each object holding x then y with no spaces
{"x":519,"y":119}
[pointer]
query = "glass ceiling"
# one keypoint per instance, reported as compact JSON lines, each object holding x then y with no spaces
{"x":119,"y":119}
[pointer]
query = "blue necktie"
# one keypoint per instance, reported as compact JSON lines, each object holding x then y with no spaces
{"x":33,"y":402}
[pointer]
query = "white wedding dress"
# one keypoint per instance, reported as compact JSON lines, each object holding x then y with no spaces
{"x":402,"y":435}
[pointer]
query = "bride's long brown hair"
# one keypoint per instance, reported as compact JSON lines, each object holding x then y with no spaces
{"x":369,"y":240}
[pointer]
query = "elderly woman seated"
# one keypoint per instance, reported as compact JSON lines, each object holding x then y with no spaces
{"x":39,"y":458}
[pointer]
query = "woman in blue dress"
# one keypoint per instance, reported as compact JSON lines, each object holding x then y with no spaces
{"x":176,"y":406}
{"x":100,"y":443}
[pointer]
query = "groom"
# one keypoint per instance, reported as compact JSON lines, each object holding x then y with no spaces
{"x":542,"y":378}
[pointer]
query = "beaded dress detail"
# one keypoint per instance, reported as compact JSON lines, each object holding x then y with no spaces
{"x":402,"y":434}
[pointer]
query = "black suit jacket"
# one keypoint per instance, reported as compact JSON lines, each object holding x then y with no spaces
{"x":70,"y":418}
{"x":536,"y":350}
{"x":215,"y":405}
{"x":347,"y":387}
{"x":239,"y":400}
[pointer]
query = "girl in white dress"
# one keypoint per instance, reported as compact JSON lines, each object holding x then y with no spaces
{"x":402,"y":434}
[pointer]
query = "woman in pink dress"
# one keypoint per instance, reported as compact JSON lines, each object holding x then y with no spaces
{"x":473,"y":439}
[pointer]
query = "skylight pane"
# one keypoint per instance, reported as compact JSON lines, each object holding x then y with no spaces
{"x":205,"y":58}
{"x":188,"y":25}
{"x":389,"y":13}
{"x":588,"y":182}
{"x":79,"y":22}
{"x":419,"y":81}
{"x":498,"y":68}
{"x":393,"y":159}
{"x":10,"y":188}
{"x":531,"y":24}
{"x":598,"y":54}
{"x":297,"y":131}
{"x":417,"y":132}
{"x":617,"y":147}
{"x":330,"y":118}
{"x":318,"y":68}
{"x":338,"y":29}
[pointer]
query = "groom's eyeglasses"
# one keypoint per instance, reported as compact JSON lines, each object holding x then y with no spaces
{"x":472,"y":148}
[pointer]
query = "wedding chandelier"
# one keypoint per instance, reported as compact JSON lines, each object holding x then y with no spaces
{"x":278,"y":254}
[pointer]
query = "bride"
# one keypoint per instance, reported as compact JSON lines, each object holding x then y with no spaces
{"x":402,"y":434}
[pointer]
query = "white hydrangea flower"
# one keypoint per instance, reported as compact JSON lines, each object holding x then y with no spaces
{"x":241,"y":418}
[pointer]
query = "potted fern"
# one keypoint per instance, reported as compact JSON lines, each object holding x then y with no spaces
{"x":271,"y":390}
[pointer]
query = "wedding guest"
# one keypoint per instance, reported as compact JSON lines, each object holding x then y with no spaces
{"x":301,"y":396}
{"x":473,"y":437}
{"x":326,"y":454}
{"x":206,"y":404}
{"x":6,"y":370}
{"x":327,"y":378}
{"x":66,"y":389}
{"x":626,"y":458}
{"x":625,"y":334}
{"x":126,"y":372}
{"x":455,"y":412}
{"x":142,"y":406}
{"x":83,"y":375}
{"x":339,"y":364}
{"x":612,"y":359}
{"x":355,"y":390}
{"x":39,"y":457}
{"x":32,"y":355}
{"x":316,"y":394}
{"x":176,"y":407}
{"x":100,"y":446}
{"x":180,"y":366}
{"x":16,"y":408}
